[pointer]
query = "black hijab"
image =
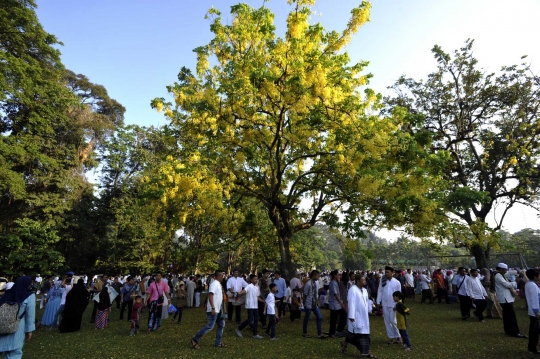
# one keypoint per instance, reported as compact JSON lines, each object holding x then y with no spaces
{"x":19,"y":292}
{"x":77,"y":298}
{"x":104,"y":299}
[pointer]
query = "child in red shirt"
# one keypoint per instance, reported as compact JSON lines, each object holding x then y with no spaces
{"x":136,"y":315}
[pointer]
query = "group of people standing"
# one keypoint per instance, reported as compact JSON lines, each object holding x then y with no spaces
{"x":266,"y":299}
{"x":351,"y":297}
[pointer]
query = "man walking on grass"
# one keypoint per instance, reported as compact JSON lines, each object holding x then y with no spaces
{"x":252,"y":299}
{"x":385,"y":298}
{"x":214,"y":315}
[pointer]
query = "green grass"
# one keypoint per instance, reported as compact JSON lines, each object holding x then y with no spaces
{"x":436,"y":331}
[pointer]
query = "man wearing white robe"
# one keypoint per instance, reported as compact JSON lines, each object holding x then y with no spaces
{"x":387,"y":287}
{"x":358,"y":317}
{"x":190,"y":289}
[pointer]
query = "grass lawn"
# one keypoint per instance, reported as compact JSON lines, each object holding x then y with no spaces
{"x":436,"y":331}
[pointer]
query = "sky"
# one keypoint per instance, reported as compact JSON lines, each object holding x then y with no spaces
{"x":135,"y":48}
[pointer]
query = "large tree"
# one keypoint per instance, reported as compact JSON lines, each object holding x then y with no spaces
{"x":51,"y":121}
{"x":488,"y":124}
{"x":281,"y":120}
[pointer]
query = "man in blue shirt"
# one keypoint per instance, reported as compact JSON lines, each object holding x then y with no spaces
{"x":336,"y":305}
{"x":281,"y":292}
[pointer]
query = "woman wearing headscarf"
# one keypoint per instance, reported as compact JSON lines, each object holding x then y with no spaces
{"x":53,"y":303}
{"x":76,"y":302}
{"x":104,"y":307}
{"x":11,"y":344}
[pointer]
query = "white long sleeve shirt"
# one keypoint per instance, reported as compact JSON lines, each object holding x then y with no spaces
{"x":236,"y":285}
{"x":475,"y":289}
{"x":532,"y":293}
{"x":502,"y":288}
{"x":252,"y":293}
{"x":410,"y":280}
{"x":384,"y":295}
{"x":425,"y":282}
{"x":357,"y":300}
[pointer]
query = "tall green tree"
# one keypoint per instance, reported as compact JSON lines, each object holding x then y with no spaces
{"x":34,"y":163}
{"x":488,"y":124}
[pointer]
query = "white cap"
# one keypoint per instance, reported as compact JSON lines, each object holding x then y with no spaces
{"x":502,"y":266}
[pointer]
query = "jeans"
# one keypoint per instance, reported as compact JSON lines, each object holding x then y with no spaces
{"x":318,"y":315}
{"x":252,"y":321}
{"x":212,"y":320}
{"x":129,"y":305}
{"x":334,"y":315}
{"x":58,"y":312}
{"x":271,"y":330}
{"x":405,"y":336}
{"x":154,"y":316}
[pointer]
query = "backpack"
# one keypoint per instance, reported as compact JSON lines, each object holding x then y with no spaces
{"x":9,"y":318}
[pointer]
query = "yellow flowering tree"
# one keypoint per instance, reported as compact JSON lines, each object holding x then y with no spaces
{"x":283,"y":121}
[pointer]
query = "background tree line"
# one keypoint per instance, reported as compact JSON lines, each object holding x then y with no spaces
{"x":275,"y":154}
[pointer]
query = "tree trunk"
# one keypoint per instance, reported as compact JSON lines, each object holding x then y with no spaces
{"x":481,"y":256}
{"x":286,"y":265}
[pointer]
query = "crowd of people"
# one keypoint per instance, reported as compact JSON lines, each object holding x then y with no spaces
{"x":351,"y":297}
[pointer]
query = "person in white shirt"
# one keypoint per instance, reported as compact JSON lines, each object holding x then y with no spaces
{"x":252,"y":307}
{"x":38,"y":278}
{"x":213,"y":313}
{"x":235,"y":285}
{"x":532,"y":292}
{"x":409,"y":279}
{"x":426,"y":290}
{"x":66,"y":287}
{"x":477,"y":293}
{"x":385,"y":298}
{"x":505,"y":291}
{"x":459,"y":286}
{"x":270,"y":310}
{"x":296,"y":282}
{"x":358,"y":314}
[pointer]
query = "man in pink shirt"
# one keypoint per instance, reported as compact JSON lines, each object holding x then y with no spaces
{"x":154,"y":301}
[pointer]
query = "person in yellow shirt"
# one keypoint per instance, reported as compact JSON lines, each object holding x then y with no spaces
{"x":401,"y":316}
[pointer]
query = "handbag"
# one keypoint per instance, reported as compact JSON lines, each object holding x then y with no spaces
{"x":9,"y":318}
{"x":172,"y":309}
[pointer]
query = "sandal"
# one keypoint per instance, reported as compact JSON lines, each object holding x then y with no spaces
{"x":344,"y":347}
{"x":222,"y":345}
{"x":323,"y":336}
{"x":194,"y":344}
{"x":306,"y":335}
